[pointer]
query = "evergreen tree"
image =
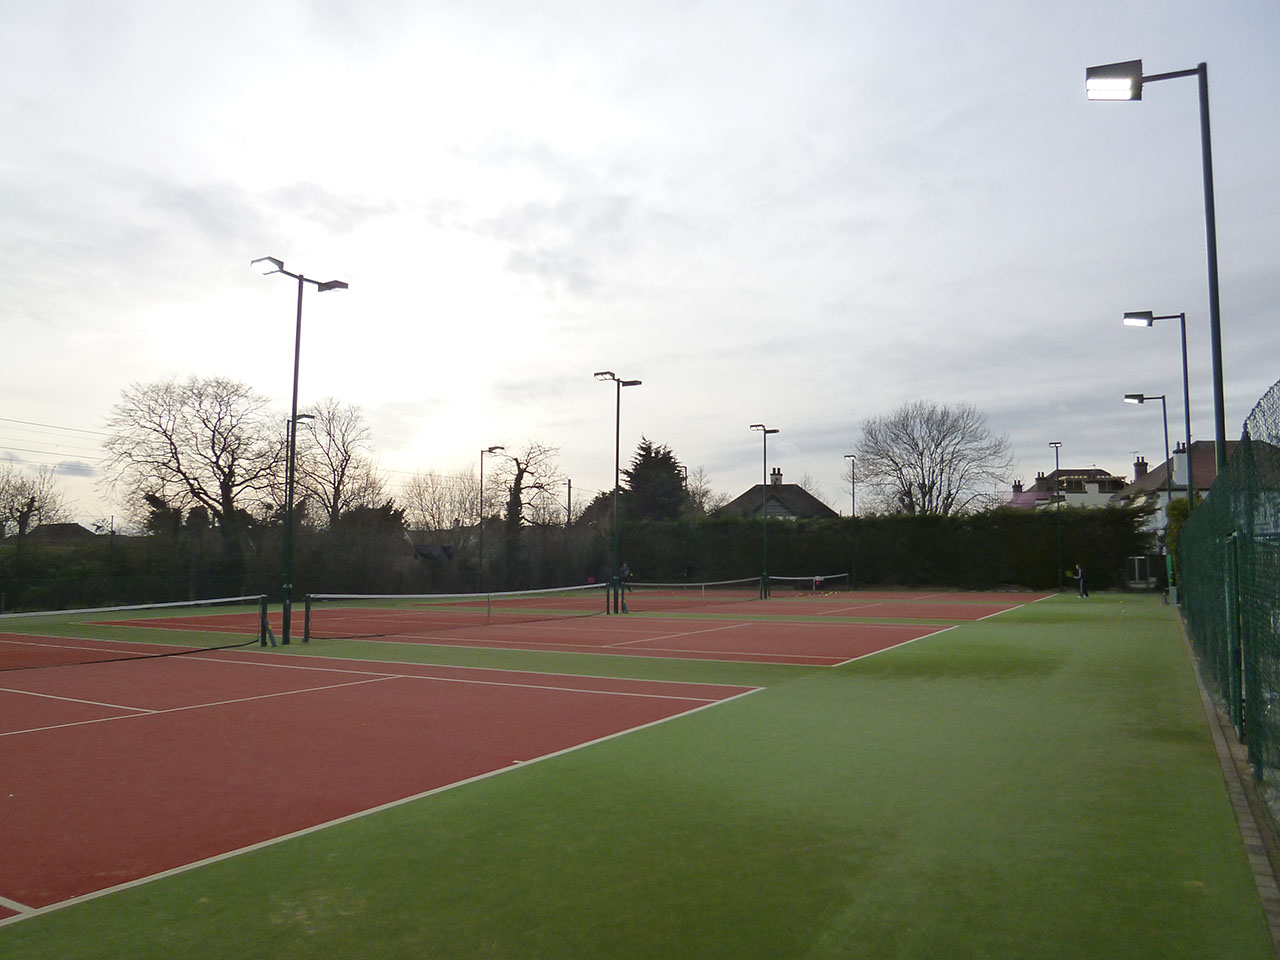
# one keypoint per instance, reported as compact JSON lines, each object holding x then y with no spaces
{"x":654,"y":484}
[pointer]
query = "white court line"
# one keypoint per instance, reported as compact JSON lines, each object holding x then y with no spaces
{"x":106,"y":646}
{"x":676,"y":636}
{"x":15,"y":905}
{"x":491,"y":683}
{"x":896,"y":646}
{"x":197,"y":706}
{"x":998,"y":612}
{"x":263,"y":844}
{"x":92,"y":703}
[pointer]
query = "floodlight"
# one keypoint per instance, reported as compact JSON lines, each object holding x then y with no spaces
{"x":1140,"y":318}
{"x":267,"y":265}
{"x":1114,"y":81}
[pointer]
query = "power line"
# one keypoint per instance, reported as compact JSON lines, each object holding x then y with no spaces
{"x":54,"y":426}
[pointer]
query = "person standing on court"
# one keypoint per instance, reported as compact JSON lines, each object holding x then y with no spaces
{"x":1084,"y":591}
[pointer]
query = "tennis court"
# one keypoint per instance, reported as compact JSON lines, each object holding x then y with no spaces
{"x":119,"y":771}
{"x":1040,"y":783}
{"x":682,"y":621}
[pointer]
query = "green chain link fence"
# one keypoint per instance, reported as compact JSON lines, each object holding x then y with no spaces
{"x":1231,"y":589}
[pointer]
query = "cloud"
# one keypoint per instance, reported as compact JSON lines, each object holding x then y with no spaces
{"x":76,"y":468}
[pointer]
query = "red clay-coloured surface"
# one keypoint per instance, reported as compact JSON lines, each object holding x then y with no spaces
{"x":19,"y":651}
{"x":750,"y":641}
{"x":856,"y":606}
{"x":115,"y":772}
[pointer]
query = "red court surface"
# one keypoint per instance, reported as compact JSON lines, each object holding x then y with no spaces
{"x":745,"y":641}
{"x":114,"y":772}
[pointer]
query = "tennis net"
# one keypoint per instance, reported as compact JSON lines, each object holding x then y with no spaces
{"x":51,"y":638}
{"x":661,"y":597}
{"x":812,"y":584}
{"x":336,"y":616}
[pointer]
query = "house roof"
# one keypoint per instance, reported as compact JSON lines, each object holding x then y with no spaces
{"x":1204,"y":470}
{"x":788,"y":500}
{"x":61,"y":533}
{"x":1028,"y":499}
{"x":1085,"y":474}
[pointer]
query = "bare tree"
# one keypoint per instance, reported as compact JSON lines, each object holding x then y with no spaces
{"x":333,"y":470}
{"x":203,"y":442}
{"x":28,"y":500}
{"x":436,"y":502}
{"x":545,"y":507}
{"x":702,"y":498}
{"x":925,"y":458}
{"x":524,"y":479}
{"x":526,"y":476}
{"x":810,"y":485}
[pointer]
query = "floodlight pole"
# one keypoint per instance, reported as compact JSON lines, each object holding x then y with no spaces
{"x":853,"y":513}
{"x":1168,"y":474}
{"x":619,"y":604}
{"x":764,"y":509}
{"x":480,"y":512}
{"x":1057,"y":504}
{"x":269,"y":265}
{"x":1148,"y":318}
{"x":1130,"y":78}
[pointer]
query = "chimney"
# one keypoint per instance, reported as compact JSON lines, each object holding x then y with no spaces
{"x":1179,"y":464}
{"x":1139,"y":469}
{"x":775,"y":476}
{"x":1017,"y":486}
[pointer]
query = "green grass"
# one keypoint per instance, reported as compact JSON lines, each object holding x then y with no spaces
{"x":1037,"y":785}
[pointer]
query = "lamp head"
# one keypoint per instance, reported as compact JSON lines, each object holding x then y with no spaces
{"x":605,"y":375}
{"x":1114,"y":81}
{"x":1135,"y":398}
{"x":493,"y":449}
{"x":331,"y":285}
{"x":630,"y":383}
{"x":1140,"y":318}
{"x":267,"y":265}
{"x":1055,"y":444}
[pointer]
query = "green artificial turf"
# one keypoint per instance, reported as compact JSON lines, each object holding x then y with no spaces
{"x":1038,"y":785}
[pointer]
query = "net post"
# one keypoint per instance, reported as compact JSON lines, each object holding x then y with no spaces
{"x":263,"y":627}
{"x":306,"y":619}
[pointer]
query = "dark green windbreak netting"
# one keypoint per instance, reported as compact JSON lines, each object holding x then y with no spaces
{"x":1231,"y":587}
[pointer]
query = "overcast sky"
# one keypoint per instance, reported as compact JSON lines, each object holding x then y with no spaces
{"x":799,"y":213}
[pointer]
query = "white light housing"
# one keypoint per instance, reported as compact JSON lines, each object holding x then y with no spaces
{"x":267,"y":265}
{"x":1140,"y":318}
{"x":1114,"y":81}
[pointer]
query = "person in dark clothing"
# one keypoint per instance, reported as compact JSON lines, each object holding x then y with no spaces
{"x":1084,"y":591}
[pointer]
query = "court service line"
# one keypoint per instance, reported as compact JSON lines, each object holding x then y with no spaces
{"x":360,"y":814}
{"x":92,"y":703}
